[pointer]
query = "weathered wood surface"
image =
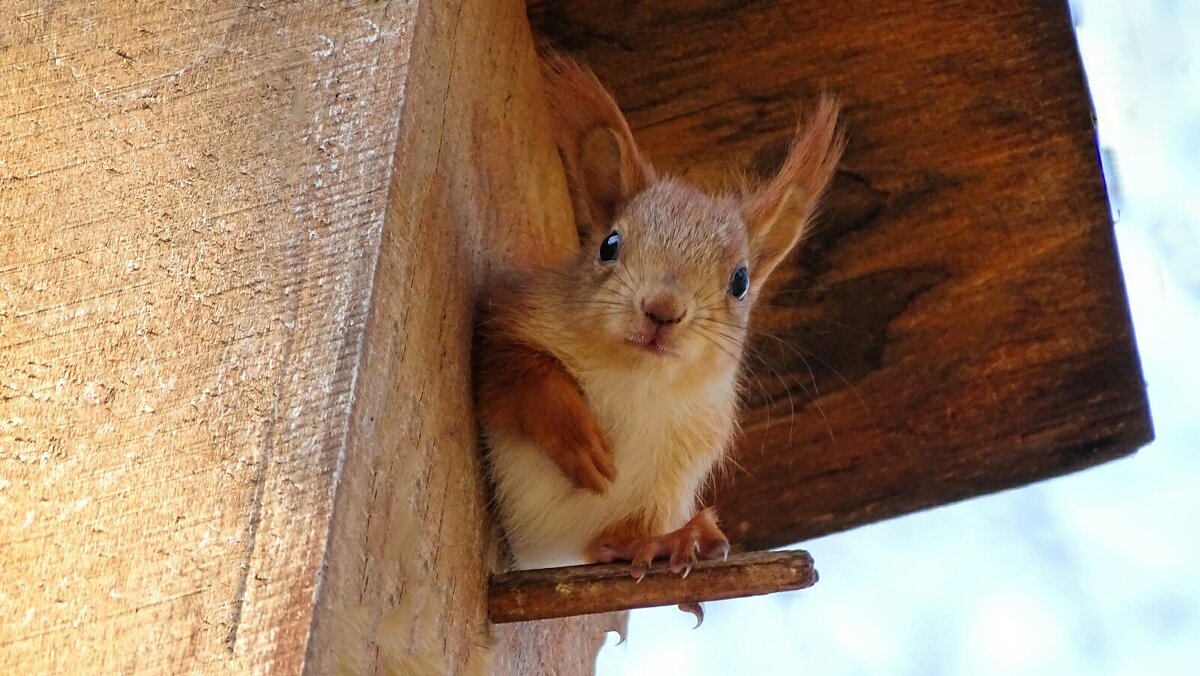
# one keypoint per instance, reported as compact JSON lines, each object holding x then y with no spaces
{"x":232,"y":369}
{"x":190,"y":202}
{"x":476,"y":181}
{"x":575,"y":590}
{"x":956,"y":323}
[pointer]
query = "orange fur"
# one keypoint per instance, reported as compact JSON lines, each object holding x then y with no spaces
{"x":527,"y":392}
{"x":598,"y":150}
{"x":620,"y":375}
{"x":634,"y":527}
{"x":791,"y":197}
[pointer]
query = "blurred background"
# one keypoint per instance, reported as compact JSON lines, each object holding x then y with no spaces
{"x":1093,"y":573}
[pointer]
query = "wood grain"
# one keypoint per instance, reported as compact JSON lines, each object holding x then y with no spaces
{"x":239,"y":245}
{"x":476,"y":181}
{"x":956,"y":323}
{"x":190,"y":200}
{"x":576,"y":590}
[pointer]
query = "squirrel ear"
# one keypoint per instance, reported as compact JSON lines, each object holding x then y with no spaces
{"x":778,"y":213}
{"x":610,"y":173}
{"x":604,"y":165}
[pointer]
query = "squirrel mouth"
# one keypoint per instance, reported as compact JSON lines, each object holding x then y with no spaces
{"x":653,"y":343}
{"x":651,"y":346}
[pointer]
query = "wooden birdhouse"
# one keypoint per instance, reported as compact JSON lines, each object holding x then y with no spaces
{"x":240,"y":245}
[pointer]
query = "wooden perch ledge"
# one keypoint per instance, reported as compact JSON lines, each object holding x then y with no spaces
{"x":581,"y":590}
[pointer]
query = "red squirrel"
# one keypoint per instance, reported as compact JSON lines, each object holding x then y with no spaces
{"x":607,"y":386}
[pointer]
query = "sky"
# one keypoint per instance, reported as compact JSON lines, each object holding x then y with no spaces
{"x":1095,"y":573}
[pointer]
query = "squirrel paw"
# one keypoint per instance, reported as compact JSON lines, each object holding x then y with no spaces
{"x":585,"y":456}
{"x":698,"y":539}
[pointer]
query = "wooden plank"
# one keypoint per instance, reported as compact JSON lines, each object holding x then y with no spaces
{"x":476,"y":181}
{"x":195,"y":235}
{"x":956,"y":323}
{"x":576,"y":590}
{"x":190,"y":200}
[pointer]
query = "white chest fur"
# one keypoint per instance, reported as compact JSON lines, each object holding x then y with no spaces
{"x":664,"y":446}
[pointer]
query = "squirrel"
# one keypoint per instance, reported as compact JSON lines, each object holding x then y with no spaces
{"x":607,"y":386}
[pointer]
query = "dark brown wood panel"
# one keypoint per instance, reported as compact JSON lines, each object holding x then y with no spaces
{"x":956,"y":323}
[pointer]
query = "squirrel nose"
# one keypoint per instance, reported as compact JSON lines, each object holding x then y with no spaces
{"x":663,"y":309}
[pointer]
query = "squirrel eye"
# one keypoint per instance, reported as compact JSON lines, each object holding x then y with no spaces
{"x":739,"y":284}
{"x":609,"y":247}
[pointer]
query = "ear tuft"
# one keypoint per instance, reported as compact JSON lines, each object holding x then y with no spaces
{"x":604,"y":165}
{"x":778,"y":213}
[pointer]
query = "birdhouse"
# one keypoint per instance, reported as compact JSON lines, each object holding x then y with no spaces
{"x":242,"y":243}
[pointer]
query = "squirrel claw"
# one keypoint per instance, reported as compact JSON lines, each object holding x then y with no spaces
{"x":696,"y":609}
{"x":698,"y":539}
{"x":639,"y":567}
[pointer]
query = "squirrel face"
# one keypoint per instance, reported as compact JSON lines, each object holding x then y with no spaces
{"x":668,"y":273}
{"x":671,"y":279}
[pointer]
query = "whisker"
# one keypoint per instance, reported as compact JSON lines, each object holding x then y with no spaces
{"x":771,"y":401}
{"x":841,"y":377}
{"x":816,"y":394}
{"x":734,"y":325}
{"x":712,"y":339}
{"x":704,"y":300}
{"x":711,"y":333}
{"x":782,"y":381}
{"x":623,"y":282}
{"x":710,"y":307}
{"x":604,"y":301}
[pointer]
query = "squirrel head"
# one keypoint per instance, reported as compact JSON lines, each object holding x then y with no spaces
{"x":666,"y":271}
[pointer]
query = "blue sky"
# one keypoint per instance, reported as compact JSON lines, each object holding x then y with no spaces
{"x":1095,"y":573}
